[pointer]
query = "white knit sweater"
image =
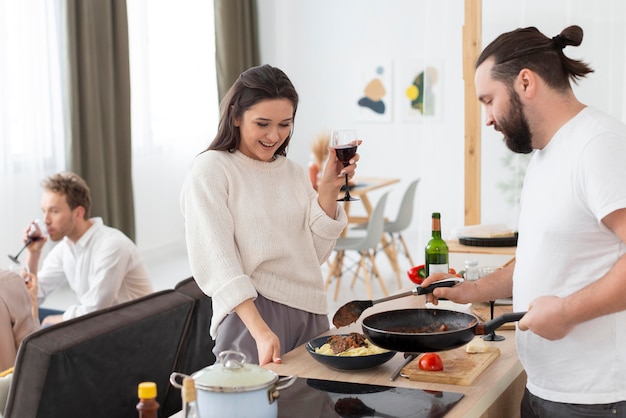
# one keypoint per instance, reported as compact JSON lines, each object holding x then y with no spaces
{"x":254,"y":226}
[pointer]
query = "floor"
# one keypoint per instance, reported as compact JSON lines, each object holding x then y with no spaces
{"x":168,"y":270}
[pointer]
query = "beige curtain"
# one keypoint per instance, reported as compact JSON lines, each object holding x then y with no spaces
{"x":236,"y":40}
{"x":99,"y":79}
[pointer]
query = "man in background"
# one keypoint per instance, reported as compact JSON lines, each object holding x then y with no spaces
{"x":101,"y":265}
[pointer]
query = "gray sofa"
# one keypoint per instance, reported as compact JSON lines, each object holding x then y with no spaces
{"x":91,"y":365}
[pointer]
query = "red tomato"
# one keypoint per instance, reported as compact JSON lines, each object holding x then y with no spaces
{"x":417,"y":274}
{"x":431,"y":362}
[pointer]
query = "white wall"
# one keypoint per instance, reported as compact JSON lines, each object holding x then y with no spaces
{"x":323,"y":44}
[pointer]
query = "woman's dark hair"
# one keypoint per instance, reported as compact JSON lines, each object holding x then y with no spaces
{"x":253,"y":85}
{"x":529,"y":48}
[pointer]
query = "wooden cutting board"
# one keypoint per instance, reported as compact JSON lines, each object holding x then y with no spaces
{"x":482,"y":311}
{"x":459,"y":367}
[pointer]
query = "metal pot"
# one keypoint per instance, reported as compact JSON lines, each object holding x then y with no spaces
{"x":423,"y":330}
{"x":233,"y":388}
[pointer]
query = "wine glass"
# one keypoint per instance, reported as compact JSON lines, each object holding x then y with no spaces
{"x":21,"y":269}
{"x":35,"y":233}
{"x":344,"y":141}
{"x":482,"y":272}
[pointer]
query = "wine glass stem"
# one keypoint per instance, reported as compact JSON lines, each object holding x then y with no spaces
{"x":347,"y":189}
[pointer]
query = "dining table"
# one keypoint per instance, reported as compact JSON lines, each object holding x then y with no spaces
{"x":496,"y":392}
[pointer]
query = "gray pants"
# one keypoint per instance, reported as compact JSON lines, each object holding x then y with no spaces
{"x":535,"y":407}
{"x":293,"y":327}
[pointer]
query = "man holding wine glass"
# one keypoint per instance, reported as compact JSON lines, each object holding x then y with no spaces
{"x":570,"y":268}
{"x":257,"y":232}
{"x":101,"y":265}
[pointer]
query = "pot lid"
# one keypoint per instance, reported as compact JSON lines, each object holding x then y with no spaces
{"x":232,"y":374}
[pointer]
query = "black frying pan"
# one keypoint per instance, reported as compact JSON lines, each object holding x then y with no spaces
{"x":420,"y":330}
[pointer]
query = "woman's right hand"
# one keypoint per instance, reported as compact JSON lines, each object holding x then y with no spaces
{"x":267,"y":342}
{"x":268,"y":347}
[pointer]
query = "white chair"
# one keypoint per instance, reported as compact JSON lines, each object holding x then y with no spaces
{"x":396,"y":227}
{"x":366,"y":246}
{"x":403,"y":220}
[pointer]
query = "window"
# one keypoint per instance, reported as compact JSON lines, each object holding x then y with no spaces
{"x":31,"y":103}
{"x":173,"y":82}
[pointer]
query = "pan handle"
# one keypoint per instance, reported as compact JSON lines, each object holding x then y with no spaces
{"x":441,"y":283}
{"x":490,"y":326}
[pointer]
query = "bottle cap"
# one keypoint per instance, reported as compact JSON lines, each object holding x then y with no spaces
{"x":147,"y":390}
{"x":189,"y":389}
{"x":436,"y":215}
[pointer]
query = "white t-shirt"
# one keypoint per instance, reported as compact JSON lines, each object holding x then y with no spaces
{"x":254,"y":226}
{"x":570,"y":185}
{"x":103,"y":268}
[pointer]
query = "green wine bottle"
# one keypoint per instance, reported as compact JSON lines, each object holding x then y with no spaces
{"x":436,"y":250}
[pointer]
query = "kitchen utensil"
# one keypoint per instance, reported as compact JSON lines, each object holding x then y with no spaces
{"x":423,"y":330}
{"x":408,"y":357}
{"x":233,"y":388}
{"x":351,"y":311}
{"x":346,"y":362}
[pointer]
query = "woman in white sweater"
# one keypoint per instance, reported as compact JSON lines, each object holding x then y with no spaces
{"x":257,"y":233}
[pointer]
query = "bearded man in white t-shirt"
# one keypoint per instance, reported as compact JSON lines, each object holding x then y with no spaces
{"x":570,"y":268}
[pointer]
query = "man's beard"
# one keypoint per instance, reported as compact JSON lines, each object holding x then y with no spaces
{"x":514,"y":126}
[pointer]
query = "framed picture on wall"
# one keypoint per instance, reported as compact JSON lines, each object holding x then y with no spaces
{"x":419,"y":91}
{"x":373,"y":91}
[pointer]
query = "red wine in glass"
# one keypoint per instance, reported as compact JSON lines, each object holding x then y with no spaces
{"x":345,"y":152}
{"x":345,"y":144}
{"x":34,"y":234}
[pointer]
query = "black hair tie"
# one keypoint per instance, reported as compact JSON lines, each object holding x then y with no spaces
{"x":559,"y":42}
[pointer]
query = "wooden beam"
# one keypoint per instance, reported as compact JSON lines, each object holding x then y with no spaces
{"x":472,"y":43}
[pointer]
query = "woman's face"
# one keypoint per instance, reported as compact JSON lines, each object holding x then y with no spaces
{"x":264,"y":127}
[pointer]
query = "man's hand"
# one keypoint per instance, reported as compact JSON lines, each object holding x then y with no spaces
{"x":546,"y":318}
{"x":51,"y":320}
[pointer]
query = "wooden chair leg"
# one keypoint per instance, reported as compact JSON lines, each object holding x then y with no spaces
{"x":406,"y":249}
{"x":366,"y":275}
{"x":377,"y":273}
{"x":336,"y":272}
{"x":392,"y":255}
{"x":356,"y":273}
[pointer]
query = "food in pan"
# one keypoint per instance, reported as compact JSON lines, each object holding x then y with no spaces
{"x":354,"y":344}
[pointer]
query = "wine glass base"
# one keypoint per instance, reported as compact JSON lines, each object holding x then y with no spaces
{"x":347,"y":199}
{"x":493,"y":337}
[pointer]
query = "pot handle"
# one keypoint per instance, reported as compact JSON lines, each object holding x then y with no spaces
{"x":173,"y":380}
{"x":282,"y":383}
{"x":497,"y":322}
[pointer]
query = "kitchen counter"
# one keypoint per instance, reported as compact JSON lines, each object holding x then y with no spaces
{"x":497,"y":392}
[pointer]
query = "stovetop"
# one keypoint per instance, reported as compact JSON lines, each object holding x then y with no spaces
{"x":315,"y":398}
